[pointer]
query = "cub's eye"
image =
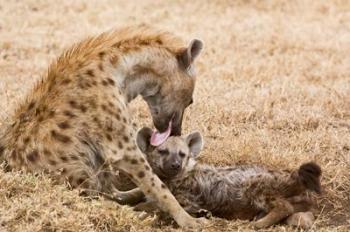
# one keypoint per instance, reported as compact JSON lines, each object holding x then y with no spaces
{"x":181,"y":154}
{"x":163,"y":152}
{"x":156,"y":111}
{"x":191,"y":101}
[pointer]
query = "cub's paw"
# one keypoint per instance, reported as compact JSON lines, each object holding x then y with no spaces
{"x":304,"y":220}
{"x":204,"y":213}
{"x":260,"y":224}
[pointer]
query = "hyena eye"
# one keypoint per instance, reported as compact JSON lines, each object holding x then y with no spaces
{"x":181,"y":154}
{"x":163,"y":152}
{"x":155,"y":110}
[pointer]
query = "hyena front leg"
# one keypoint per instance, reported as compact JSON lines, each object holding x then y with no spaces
{"x":136,"y":166}
{"x":190,"y":207}
{"x":129,"y":193}
{"x":279,"y":209}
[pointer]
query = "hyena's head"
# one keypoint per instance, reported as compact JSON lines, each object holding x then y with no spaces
{"x":172,"y":158}
{"x":173,"y":80}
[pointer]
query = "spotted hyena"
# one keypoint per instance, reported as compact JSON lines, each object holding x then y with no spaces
{"x":237,"y":192}
{"x":75,"y":123}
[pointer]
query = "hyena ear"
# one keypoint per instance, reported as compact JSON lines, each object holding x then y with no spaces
{"x":188,"y":55}
{"x":143,"y":138}
{"x":195,"y":143}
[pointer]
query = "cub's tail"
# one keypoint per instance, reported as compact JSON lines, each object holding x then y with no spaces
{"x":309,"y":175}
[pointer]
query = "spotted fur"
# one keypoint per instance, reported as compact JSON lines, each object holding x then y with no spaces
{"x":75,"y":123}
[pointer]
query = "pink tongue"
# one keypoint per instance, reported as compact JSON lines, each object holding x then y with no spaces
{"x":159,"y":138}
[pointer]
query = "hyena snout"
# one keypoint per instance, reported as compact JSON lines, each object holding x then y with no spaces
{"x":172,"y":166}
{"x":162,"y":121}
{"x":176,"y":166}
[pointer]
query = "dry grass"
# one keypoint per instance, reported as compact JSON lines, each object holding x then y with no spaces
{"x":273,"y":88}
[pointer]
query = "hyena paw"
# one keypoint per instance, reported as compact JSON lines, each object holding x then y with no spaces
{"x":193,"y":224}
{"x":204,"y":213}
{"x":142,"y":215}
{"x":304,"y":220}
{"x":260,"y":224}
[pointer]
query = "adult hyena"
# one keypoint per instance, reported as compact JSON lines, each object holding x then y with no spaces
{"x":75,"y":122}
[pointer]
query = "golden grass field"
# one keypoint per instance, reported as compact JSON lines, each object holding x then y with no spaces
{"x":273,"y":88}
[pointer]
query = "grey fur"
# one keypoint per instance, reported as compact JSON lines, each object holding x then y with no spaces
{"x":235,"y":192}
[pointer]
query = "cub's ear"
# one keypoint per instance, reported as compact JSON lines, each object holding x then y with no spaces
{"x":195,"y":143}
{"x":143,"y":139}
{"x":188,"y":55}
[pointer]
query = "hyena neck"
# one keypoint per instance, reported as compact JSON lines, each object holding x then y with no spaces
{"x":191,"y":167}
{"x":136,"y":76}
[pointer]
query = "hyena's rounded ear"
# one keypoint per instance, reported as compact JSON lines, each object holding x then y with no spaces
{"x":143,"y":138}
{"x":195,"y":143}
{"x":189,"y":54}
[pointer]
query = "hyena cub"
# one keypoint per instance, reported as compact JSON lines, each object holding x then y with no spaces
{"x":238,"y":192}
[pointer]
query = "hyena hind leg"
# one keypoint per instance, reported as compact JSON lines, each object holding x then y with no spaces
{"x":301,"y":203}
{"x":279,"y":210}
{"x":148,"y":206}
{"x":303,"y":220}
{"x":130,"y":197}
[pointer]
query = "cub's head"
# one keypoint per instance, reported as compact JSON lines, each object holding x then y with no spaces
{"x":174,"y":156}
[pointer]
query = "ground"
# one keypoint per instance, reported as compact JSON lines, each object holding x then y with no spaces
{"x":273,"y":88}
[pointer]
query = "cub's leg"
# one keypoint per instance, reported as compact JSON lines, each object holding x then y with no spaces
{"x":301,"y":217}
{"x":191,"y":207}
{"x":303,"y":220}
{"x":279,"y":209}
{"x":301,"y":203}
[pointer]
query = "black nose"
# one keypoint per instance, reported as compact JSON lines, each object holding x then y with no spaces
{"x":175,"y":166}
